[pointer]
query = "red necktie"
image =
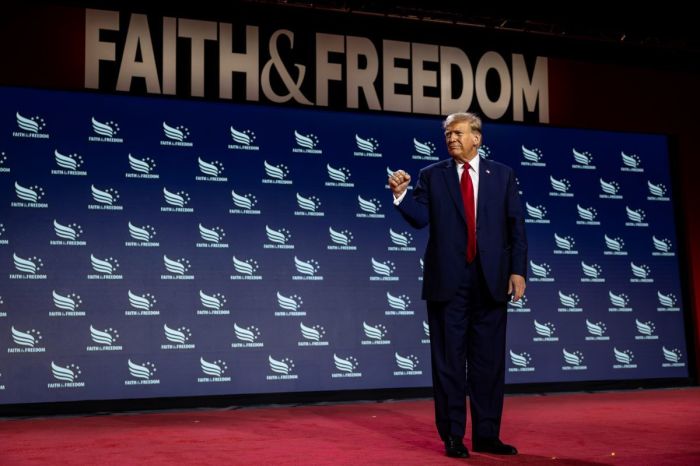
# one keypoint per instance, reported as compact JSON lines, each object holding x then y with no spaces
{"x":467,"y":188}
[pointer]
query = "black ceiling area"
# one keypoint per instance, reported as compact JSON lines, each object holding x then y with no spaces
{"x":661,"y":36}
{"x":666,"y":36}
{"x":671,"y":28}
{"x":668,"y":26}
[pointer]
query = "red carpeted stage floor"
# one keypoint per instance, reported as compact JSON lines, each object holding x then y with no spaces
{"x":643,"y":427}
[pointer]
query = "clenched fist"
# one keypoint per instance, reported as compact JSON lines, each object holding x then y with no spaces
{"x":398,"y":182}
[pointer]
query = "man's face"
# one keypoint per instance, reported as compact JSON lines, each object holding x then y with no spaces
{"x":462,"y":143}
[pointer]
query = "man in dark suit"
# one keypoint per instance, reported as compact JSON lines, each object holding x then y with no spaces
{"x":476,"y":258}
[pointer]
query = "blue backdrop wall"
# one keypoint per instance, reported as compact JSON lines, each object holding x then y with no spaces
{"x":154,"y":247}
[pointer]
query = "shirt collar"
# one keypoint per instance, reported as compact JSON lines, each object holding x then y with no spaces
{"x":474,"y":163}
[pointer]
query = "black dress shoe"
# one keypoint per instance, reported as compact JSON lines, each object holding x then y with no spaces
{"x":455,"y":448}
{"x":494,"y":446}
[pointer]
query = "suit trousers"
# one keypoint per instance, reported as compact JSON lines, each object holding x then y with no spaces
{"x":467,"y":344}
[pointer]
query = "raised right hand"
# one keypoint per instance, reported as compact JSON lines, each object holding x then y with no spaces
{"x":398,"y":182}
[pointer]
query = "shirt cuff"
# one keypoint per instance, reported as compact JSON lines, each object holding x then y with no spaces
{"x":397,"y":200}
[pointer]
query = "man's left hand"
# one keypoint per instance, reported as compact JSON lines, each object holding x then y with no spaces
{"x":516,"y":287}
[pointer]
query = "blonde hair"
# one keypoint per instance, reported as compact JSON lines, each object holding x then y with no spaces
{"x":471,"y":118}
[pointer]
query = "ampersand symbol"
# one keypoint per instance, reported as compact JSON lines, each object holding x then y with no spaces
{"x":292,"y":86}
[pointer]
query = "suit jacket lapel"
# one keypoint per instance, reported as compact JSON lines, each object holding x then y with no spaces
{"x":450,"y":173}
{"x":485,"y":179}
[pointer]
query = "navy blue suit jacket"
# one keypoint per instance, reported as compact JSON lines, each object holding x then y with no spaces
{"x":500,"y":227}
